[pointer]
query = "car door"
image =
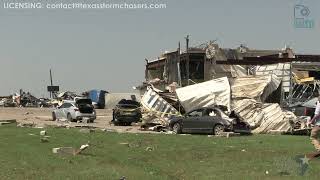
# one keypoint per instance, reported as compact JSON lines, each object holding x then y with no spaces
{"x":206,"y":121}
{"x":66,"y":109}
{"x":191,"y":120}
{"x":59,"y":111}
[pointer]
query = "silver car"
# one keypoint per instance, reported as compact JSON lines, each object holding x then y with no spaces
{"x":82,"y":109}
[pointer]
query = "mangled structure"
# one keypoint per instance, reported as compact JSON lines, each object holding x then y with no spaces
{"x":262,"y":82}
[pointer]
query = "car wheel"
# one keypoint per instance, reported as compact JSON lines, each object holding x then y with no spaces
{"x":218,"y":129}
{"x":69,"y":117}
{"x":115,"y":121}
{"x":176,"y":128}
{"x":54,"y":117}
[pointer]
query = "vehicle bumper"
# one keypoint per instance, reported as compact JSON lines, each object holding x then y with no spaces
{"x":81,"y":116}
{"x":128,"y":119}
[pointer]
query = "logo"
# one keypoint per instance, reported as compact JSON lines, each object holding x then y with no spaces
{"x":302,"y":17}
{"x":303,"y":162}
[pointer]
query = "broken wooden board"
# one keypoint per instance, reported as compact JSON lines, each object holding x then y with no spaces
{"x":10,"y":121}
{"x":228,"y":134}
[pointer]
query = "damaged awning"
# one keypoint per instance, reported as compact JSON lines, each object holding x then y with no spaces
{"x":206,"y":94}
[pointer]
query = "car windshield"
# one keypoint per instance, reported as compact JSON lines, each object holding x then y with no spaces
{"x":127,"y":106}
{"x":124,"y":103}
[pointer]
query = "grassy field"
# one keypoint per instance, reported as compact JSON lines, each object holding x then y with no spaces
{"x":151,"y":156}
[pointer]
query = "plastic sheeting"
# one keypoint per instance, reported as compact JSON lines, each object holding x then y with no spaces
{"x":255,"y":87}
{"x":263,"y":118}
{"x":206,"y":94}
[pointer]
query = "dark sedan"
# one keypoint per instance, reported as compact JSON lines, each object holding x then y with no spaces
{"x":126,"y":112}
{"x":207,"y":120}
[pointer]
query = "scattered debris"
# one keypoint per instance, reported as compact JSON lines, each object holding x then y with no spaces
{"x":124,"y":143}
{"x":123,"y":178}
{"x":228,"y":134}
{"x":44,"y":139}
{"x":70,"y":150}
{"x":10,"y":121}
{"x":87,"y":130}
{"x":149,"y":148}
{"x":43,"y":133}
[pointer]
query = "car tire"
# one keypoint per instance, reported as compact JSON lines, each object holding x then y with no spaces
{"x":176,"y":128}
{"x":69,"y":117}
{"x":54,"y":117}
{"x":218,"y":129}
{"x":115,"y":121}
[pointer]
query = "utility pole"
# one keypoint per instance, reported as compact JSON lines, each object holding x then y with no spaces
{"x":178,"y":66}
{"x":51,"y":83}
{"x":187,"y":55}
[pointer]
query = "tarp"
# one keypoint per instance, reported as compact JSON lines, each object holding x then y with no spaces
{"x":255,"y":87}
{"x":206,"y":94}
{"x":263,"y":117}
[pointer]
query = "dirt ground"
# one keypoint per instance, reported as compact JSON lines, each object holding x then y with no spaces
{"x":41,"y":117}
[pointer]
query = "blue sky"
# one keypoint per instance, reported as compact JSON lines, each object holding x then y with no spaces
{"x":105,"y":49}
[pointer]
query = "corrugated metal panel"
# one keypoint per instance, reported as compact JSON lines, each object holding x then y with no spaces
{"x":282,"y":70}
{"x":206,"y":94}
{"x":263,"y":117}
{"x":157,"y":105}
{"x":255,"y":87}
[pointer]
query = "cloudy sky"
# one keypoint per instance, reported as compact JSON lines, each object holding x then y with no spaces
{"x":106,"y":48}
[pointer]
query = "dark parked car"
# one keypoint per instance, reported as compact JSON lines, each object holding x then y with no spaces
{"x":209,"y":121}
{"x":126,"y":112}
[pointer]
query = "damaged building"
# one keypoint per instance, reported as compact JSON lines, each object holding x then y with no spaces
{"x":298,"y":73}
{"x":258,"y":82}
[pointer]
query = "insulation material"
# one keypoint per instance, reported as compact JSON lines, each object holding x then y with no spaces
{"x":255,"y":87}
{"x":158,"y":110}
{"x":263,"y":118}
{"x":206,"y":94}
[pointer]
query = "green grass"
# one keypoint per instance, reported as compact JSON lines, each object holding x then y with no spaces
{"x":23,"y":156}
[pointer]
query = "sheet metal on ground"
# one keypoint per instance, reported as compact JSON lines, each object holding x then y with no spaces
{"x":263,"y":117}
{"x":158,"y":110}
{"x":255,"y":87}
{"x":206,"y":94}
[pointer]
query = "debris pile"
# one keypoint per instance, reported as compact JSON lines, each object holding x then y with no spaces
{"x":263,"y":117}
{"x":156,"y":110}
